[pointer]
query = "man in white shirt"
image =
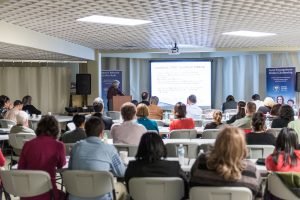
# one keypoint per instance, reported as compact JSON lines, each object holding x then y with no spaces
{"x":192,"y":110}
{"x":12,"y":113}
{"x":257,"y":101}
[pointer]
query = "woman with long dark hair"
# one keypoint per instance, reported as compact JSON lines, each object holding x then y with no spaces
{"x":259,"y":135}
{"x":240,"y":112}
{"x":286,"y":156}
{"x":286,"y":115}
{"x":181,"y":122}
{"x":150,"y":161}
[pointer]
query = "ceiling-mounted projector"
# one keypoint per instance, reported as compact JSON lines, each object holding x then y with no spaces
{"x":174,"y":50}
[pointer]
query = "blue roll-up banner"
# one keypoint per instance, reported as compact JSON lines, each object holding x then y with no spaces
{"x":281,"y":82}
{"x":107,"y":77}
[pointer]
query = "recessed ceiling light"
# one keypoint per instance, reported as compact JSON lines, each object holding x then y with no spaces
{"x":113,"y":20}
{"x":249,"y":33}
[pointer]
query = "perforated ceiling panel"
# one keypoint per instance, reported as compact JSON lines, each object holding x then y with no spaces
{"x":198,"y":22}
{"x":14,"y":52}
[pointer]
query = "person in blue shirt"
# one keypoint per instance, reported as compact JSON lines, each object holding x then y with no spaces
{"x":142,"y":114}
{"x":94,"y":155}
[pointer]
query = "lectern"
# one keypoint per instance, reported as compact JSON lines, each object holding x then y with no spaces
{"x":118,"y":102}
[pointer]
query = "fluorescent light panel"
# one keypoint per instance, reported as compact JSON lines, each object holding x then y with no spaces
{"x":113,"y":20}
{"x":249,"y":33}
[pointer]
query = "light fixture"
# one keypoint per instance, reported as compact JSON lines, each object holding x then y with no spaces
{"x":249,"y":33}
{"x":113,"y":20}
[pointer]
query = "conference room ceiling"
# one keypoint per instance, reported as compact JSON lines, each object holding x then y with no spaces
{"x":188,"y":22}
{"x":15,"y":52}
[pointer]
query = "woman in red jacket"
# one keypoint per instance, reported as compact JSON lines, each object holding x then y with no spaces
{"x":181,"y":122}
{"x":286,"y":157}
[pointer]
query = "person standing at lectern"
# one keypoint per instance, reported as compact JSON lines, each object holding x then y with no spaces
{"x":113,"y":90}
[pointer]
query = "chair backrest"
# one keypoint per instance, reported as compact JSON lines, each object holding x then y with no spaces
{"x":183,"y":134}
{"x":198,"y":123}
{"x":69,"y":147}
{"x":220,"y":193}
{"x":5,"y":123}
{"x":115,"y":115}
{"x":88,"y":184}
{"x":159,"y":122}
{"x":191,"y":149}
{"x":16,"y":140}
{"x":26,"y":183}
{"x":230,"y":111}
{"x":156,"y":188}
{"x":130,"y":148}
{"x":208,"y":113}
{"x":210,"y":133}
{"x":71,"y":126}
{"x":277,"y":188}
{"x":259,"y":151}
{"x":275,"y":131}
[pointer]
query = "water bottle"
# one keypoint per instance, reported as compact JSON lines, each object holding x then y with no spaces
{"x":268,"y":122}
{"x":105,"y":138}
{"x":180,"y":154}
{"x":227,"y":116}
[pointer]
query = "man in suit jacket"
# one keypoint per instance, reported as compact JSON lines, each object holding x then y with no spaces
{"x":78,"y":133}
{"x":99,"y":108}
{"x":113,"y":90}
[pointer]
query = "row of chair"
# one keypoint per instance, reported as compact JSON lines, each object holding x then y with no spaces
{"x":5,"y":123}
{"x":192,"y":149}
{"x":91,"y":184}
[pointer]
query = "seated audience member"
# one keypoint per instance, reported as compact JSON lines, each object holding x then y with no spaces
{"x":78,"y":133}
{"x":155,"y":112}
{"x":240,"y":112}
{"x":99,"y":109}
{"x":245,"y":122}
{"x":295,"y":125}
{"x":181,"y":122}
{"x":145,"y":98}
{"x":44,"y":153}
{"x":94,"y":155}
{"x":257,"y":101}
{"x":150,"y":161}
{"x":291,"y":103}
{"x":142,"y":114}
{"x":12,"y":113}
{"x":135,"y":102}
{"x":268,"y":104}
{"x":5,"y":105}
{"x":28,"y":107}
{"x":22,"y":124}
{"x":225,"y":164}
{"x":275,"y":111}
{"x":280,"y":100}
{"x":286,"y":115}
{"x":259,"y":135}
{"x":192,"y":110}
{"x":128,"y":132}
{"x":229,"y":104}
{"x":286,"y":156}
{"x":217,"y":123}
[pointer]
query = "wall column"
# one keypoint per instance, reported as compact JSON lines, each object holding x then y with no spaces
{"x":94,"y":68}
